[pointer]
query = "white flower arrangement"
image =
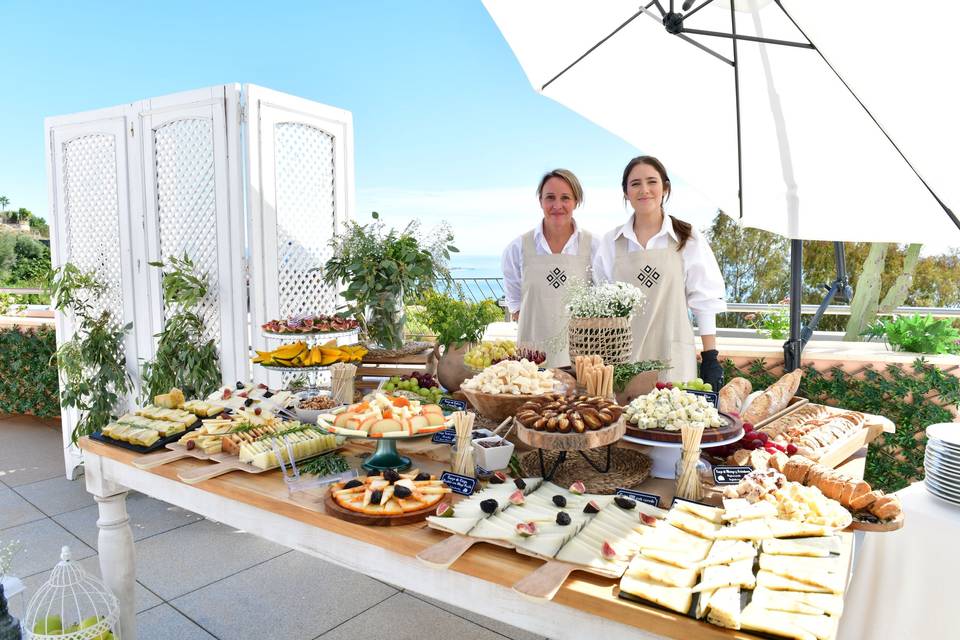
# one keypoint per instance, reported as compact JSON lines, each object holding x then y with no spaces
{"x":606,"y":300}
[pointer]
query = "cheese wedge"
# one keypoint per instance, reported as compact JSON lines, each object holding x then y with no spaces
{"x":778,"y":564}
{"x":680,"y":559}
{"x":737,"y":574}
{"x":727,"y":551}
{"x":798,"y":602}
{"x":674,"y":598}
{"x":819,"y":627}
{"x":746,"y":530}
{"x":743,"y":510}
{"x":777,"y":582}
{"x":811,"y":547}
{"x":667,"y":538}
{"x":830,"y":582}
{"x":711,"y":514}
{"x":725,"y":608}
{"x":758,"y":619}
{"x":670,"y":575}
{"x":703,"y":603}
{"x":795,"y":528}
{"x":690,"y":523}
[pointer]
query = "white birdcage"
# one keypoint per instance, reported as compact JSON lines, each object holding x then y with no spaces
{"x":72,"y":605}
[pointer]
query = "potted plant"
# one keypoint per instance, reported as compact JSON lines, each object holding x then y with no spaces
{"x":380,"y":267}
{"x":600,"y":320}
{"x":916,"y":334}
{"x":458,"y":325}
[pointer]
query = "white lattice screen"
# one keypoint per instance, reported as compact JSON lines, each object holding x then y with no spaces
{"x":306,"y":217}
{"x":91,"y":213}
{"x":187,"y":206}
{"x":164,"y":176}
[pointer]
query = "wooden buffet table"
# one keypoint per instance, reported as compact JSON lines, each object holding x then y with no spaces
{"x":480,"y":580}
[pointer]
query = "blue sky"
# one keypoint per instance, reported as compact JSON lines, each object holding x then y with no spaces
{"x":446,"y":124}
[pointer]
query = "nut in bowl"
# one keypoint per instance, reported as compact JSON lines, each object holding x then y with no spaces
{"x":311,"y":404}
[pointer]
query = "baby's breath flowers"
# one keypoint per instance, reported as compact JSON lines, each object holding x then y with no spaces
{"x":607,"y":300}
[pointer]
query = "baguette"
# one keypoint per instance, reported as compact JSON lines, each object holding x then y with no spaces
{"x":733,"y":394}
{"x":886,"y":507}
{"x":866,"y":500}
{"x":774,"y":399}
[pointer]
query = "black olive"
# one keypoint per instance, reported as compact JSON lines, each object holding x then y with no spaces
{"x":401,"y":491}
{"x":591,"y":507}
{"x":248,"y":402}
{"x":563,"y":518}
{"x":268,"y":394}
{"x":520,"y":484}
{"x":353,"y":483}
{"x":373,"y":472}
{"x":375,"y":496}
{"x":559,"y":500}
{"x":624,"y":503}
{"x":489,"y":506}
{"x":239,"y":385}
{"x":391,"y":475}
{"x":422,"y":476}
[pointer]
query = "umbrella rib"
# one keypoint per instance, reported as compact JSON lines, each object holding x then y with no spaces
{"x":947,"y":209}
{"x":720,"y":34}
{"x":736,"y":94}
{"x":707,"y":49}
{"x":690,"y":13}
{"x":594,"y":47}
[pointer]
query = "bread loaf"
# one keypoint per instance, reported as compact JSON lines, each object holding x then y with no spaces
{"x":774,"y":399}
{"x":733,"y":394}
{"x":886,"y":507}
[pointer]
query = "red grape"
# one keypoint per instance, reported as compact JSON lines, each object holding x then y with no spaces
{"x":791,"y":449}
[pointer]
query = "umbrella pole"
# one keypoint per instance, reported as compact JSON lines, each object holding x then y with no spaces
{"x":793,"y":347}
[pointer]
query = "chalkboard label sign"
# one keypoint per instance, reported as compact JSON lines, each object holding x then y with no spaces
{"x":463,"y":485}
{"x":729,"y":475}
{"x":651,"y":499}
{"x":704,"y":504}
{"x":447,"y":436}
{"x":712,"y":397}
{"x":449,"y":404}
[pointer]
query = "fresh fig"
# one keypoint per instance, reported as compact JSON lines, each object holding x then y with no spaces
{"x":489,"y":505}
{"x":607,"y":551}
{"x":499,"y":477}
{"x":526,"y":529}
{"x":520,"y":484}
{"x":624,"y":502}
{"x":592,"y":507}
{"x":517,"y":497}
{"x":353,"y":483}
{"x":648,"y":520}
{"x":444,"y":510}
{"x":578,"y":488}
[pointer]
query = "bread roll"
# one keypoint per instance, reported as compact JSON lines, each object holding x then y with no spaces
{"x":733,"y":394}
{"x":866,"y":500}
{"x":774,"y":399}
{"x":886,"y":507}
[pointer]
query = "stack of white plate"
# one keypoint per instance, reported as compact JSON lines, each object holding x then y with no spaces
{"x":942,"y":461}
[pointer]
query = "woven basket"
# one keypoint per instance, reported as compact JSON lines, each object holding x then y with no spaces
{"x":610,"y":338}
{"x":628,"y":469}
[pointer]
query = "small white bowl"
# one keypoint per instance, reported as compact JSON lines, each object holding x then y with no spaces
{"x":492,"y":458}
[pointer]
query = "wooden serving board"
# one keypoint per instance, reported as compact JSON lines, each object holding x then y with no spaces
{"x":730,"y":427}
{"x":571,"y":441}
{"x":335,"y":510}
{"x":795,"y":403}
{"x":223,"y":465}
{"x":443,"y":554}
{"x":876,"y":527}
{"x":544,"y":583}
{"x":176,"y":451}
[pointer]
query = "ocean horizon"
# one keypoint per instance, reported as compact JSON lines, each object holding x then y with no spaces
{"x":475,"y":266}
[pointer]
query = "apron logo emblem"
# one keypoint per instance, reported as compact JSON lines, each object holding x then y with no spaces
{"x":649,"y":276}
{"x":556,"y":278}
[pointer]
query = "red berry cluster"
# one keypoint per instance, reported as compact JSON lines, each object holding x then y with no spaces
{"x":753,"y":440}
{"x":664,"y":385}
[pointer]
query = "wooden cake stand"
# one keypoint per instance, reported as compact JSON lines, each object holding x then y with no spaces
{"x":566,"y":442}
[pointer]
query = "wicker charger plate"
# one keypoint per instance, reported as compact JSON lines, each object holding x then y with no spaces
{"x":408,"y":349}
{"x":628,"y":468}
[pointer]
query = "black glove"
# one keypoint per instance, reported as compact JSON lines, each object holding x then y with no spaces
{"x":710,"y":369}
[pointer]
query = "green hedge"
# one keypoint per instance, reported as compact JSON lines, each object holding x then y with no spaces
{"x":913,"y":397}
{"x":28,"y":381}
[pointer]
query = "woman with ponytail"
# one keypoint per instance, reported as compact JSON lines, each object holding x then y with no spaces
{"x":674,"y":266}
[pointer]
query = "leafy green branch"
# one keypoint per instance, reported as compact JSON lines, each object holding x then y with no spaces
{"x":183,"y":359}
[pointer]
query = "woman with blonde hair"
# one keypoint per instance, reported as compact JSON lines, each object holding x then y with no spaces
{"x":540,"y":264}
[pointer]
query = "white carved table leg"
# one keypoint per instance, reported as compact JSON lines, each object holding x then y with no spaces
{"x":115,"y":542}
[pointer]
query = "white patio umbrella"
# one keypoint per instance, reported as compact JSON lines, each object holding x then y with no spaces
{"x":814,"y":119}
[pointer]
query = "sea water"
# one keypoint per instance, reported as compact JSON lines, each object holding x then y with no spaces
{"x":475,"y":266}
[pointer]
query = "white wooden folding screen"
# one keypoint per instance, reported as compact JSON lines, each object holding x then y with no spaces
{"x":299,"y":191}
{"x":165,"y":176}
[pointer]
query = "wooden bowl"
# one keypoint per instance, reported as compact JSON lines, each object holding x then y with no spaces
{"x":496,"y":406}
{"x":553,"y":441}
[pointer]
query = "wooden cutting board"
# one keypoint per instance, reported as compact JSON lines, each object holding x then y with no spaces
{"x":176,"y":451}
{"x":730,"y":426}
{"x":335,"y":510}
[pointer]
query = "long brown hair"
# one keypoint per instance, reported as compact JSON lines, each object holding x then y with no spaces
{"x":684,"y":230}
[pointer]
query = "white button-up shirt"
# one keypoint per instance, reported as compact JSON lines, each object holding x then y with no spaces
{"x":512,"y":260}
{"x":705,"y":290}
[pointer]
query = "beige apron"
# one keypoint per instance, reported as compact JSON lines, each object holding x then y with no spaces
{"x":543,"y":320}
{"x":662,"y":330}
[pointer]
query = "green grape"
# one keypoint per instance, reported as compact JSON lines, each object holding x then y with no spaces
{"x":388,"y":387}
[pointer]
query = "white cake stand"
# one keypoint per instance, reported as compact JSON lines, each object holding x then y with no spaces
{"x":665,"y":455}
